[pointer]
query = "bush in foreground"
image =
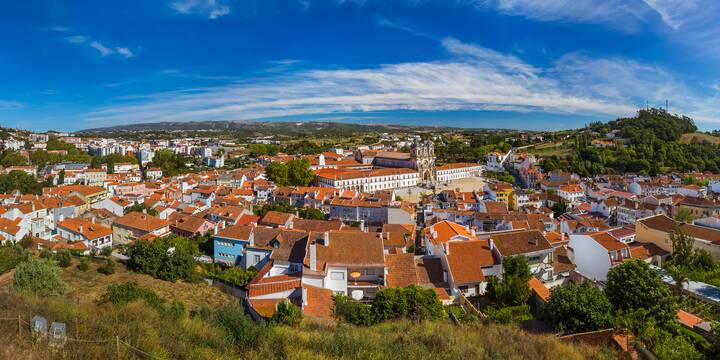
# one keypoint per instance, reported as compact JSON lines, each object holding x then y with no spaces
{"x":40,"y":277}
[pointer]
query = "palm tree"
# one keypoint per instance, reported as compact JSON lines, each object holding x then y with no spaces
{"x":680,"y":276}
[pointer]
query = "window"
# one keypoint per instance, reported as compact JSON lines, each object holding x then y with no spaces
{"x":336,"y":275}
{"x":256,"y":258}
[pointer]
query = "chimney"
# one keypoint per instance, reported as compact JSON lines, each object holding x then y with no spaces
{"x":80,"y":229}
{"x":491,"y":243}
{"x":326,"y":239}
{"x":93,"y":219}
{"x":362,"y":225}
{"x":447,"y":248}
{"x":313,"y":256}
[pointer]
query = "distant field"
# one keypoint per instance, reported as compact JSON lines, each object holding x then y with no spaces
{"x":87,"y":287}
{"x":549,"y":149}
{"x":689,"y":137}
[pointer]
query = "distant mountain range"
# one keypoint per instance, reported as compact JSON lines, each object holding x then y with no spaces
{"x":262,"y":127}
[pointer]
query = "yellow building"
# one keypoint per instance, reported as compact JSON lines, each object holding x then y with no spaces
{"x":502,"y":192}
{"x":657,"y":229}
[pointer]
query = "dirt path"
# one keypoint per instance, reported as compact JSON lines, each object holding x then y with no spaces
{"x":6,"y":278}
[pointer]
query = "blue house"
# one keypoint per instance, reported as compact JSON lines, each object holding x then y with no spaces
{"x":230,"y":244}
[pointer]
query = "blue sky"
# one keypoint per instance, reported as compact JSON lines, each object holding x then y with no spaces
{"x":551,"y":64}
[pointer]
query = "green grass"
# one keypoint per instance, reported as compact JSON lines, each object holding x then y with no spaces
{"x":549,"y":149}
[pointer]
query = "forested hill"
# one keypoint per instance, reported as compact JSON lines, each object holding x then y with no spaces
{"x":648,"y":143}
{"x":648,"y":126}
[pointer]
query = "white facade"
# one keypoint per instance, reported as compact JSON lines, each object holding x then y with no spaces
{"x":456,"y":173}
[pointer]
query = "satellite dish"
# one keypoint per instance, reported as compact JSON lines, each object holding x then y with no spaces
{"x":357,"y":295}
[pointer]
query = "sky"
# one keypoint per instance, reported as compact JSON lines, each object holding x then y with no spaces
{"x":551,"y":64}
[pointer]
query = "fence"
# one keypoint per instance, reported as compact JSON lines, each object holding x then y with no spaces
{"x":470,"y":307}
{"x":118,"y":343}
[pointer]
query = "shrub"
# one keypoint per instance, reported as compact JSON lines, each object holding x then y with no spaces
{"x":45,"y":254}
{"x":84,"y":264}
{"x":106,"y":251}
{"x":242,"y":330}
{"x":108,"y":268}
{"x":155,"y":259}
{"x":63,"y":258}
{"x":11,"y":255}
{"x":236,"y":276}
{"x":353,"y":311}
{"x":411,"y":302}
{"x":287,"y":314}
{"x":509,"y":314}
{"x":127,"y":292}
{"x":40,"y":277}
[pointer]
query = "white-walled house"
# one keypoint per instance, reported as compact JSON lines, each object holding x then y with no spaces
{"x":350,"y":263}
{"x":595,"y":254}
{"x":93,"y":235}
{"x":529,"y":243}
{"x":467,"y":264}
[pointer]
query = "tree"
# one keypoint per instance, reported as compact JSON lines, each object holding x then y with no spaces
{"x":63,"y":258}
{"x":633,"y":285}
{"x":683,"y":252}
{"x":13,"y":159}
{"x":680,"y":277}
{"x":311,"y":213}
{"x":684,"y":216}
{"x":559,"y":208}
{"x":141,"y":207}
{"x":61,"y":177}
{"x":261,"y":210}
{"x":578,"y":308}
{"x":40,"y":277}
{"x":156,"y":259}
{"x":513,"y":288}
{"x":277,"y":173}
{"x":299,"y":172}
{"x":516,"y":266}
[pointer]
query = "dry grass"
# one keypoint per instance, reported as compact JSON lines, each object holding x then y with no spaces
{"x":87,"y":287}
{"x":197,"y":338}
{"x":699,"y":137}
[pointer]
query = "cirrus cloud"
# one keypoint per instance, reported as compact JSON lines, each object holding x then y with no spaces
{"x":472,"y":78}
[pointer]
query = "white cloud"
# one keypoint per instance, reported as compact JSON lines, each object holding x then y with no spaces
{"x":127,"y":53}
{"x":101,"y":48}
{"x":620,"y":14}
{"x":10,"y":105}
{"x":473,"y":78}
{"x":212,"y":9}
{"x":77,"y":39}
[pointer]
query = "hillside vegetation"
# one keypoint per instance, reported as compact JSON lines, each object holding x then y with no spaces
{"x":225,"y":333}
{"x":654,"y":141}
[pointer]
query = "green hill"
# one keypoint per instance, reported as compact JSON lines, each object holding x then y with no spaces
{"x":654,"y":141}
